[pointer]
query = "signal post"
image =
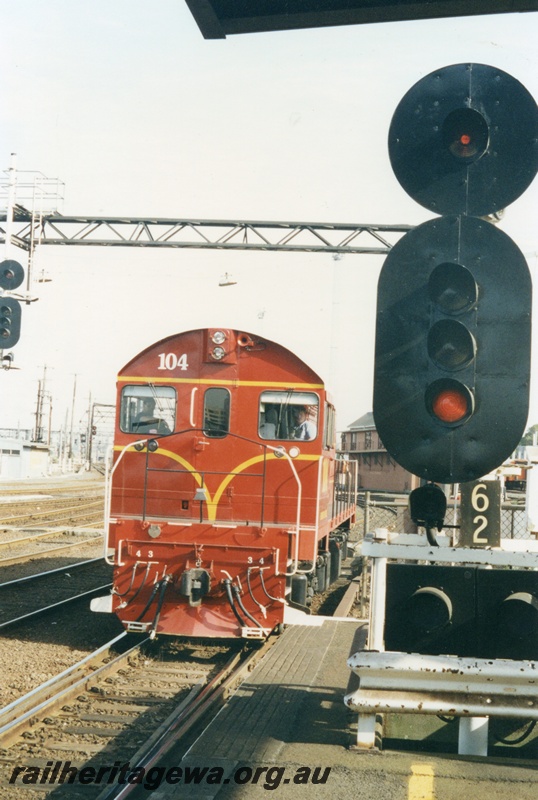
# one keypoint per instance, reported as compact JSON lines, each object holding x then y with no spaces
{"x":454,"y":615}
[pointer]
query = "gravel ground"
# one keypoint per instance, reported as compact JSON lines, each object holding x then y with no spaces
{"x":41,"y":649}
{"x":36,"y":651}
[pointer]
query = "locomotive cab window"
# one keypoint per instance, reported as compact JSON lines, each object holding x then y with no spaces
{"x":148,"y":410}
{"x":288,"y":415}
{"x":216,"y":412}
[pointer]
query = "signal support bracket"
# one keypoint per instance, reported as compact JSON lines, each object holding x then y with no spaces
{"x":470,"y":688}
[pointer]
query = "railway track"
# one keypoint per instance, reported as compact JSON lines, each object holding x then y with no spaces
{"x":127,"y":711}
{"x":67,"y":487}
{"x":114,"y":710}
{"x":43,"y":519}
{"x":111,"y":708}
{"x":51,"y":510}
{"x":72,"y":515}
{"x":29,"y":596}
{"x":26,"y":548}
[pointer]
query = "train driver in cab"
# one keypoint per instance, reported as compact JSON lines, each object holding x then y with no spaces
{"x":304,"y":427}
{"x":146,"y":421}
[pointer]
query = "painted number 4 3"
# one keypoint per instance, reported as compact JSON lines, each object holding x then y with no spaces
{"x":172,"y":361}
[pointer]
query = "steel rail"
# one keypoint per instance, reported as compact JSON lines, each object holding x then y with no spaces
{"x":13,"y":490}
{"x":50,"y":512}
{"x":18,"y":713}
{"x":202,"y":699}
{"x":31,"y":538}
{"x":38,"y":611}
{"x":5,"y":562}
{"x":18,"y":581}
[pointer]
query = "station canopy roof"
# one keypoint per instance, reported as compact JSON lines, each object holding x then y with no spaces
{"x":219,"y":18}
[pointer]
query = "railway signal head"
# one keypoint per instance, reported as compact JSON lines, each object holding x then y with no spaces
{"x":452,"y":363}
{"x":10,"y":322}
{"x":462,"y":610}
{"x":463,"y":140}
{"x":11,"y":275}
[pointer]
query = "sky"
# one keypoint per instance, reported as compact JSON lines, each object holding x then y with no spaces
{"x":137,"y":114}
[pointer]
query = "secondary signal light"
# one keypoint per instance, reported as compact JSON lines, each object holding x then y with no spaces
{"x":465,"y":133}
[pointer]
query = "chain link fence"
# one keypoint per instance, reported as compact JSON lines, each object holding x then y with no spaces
{"x":377,"y":510}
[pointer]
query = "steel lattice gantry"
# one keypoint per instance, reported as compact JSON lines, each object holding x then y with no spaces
{"x":30,"y":230}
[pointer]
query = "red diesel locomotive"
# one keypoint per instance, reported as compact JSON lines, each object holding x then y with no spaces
{"x":226,"y":502}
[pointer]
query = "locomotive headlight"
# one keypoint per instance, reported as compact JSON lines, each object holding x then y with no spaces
{"x":294,"y":452}
{"x":218,"y":353}
{"x":218,"y":337}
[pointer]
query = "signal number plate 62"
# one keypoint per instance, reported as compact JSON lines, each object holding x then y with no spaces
{"x":481,"y":514}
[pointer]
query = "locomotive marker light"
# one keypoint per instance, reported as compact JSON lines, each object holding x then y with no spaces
{"x":452,"y":366}
{"x":451,"y":387}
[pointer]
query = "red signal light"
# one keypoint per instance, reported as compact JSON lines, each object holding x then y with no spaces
{"x":466,"y":134}
{"x":450,"y":405}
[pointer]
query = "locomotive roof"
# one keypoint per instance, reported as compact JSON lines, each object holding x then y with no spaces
{"x":314,"y":376}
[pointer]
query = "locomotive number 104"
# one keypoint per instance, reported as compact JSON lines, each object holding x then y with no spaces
{"x":170,"y":361}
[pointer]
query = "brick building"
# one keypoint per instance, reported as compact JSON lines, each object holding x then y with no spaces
{"x":376,"y":468}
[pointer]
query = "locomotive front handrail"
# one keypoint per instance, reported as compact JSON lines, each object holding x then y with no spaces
{"x":109,"y":472}
{"x":279,"y":452}
{"x":194,"y":472}
{"x":283,"y":453}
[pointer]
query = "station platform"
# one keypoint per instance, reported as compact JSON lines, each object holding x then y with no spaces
{"x":286,"y":730}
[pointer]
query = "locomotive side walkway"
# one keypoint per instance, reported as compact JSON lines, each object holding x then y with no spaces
{"x":287,"y":724}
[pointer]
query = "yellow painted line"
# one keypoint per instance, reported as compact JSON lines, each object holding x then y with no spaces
{"x":211,"y":382}
{"x":421,"y":782}
{"x":175,"y":456}
{"x":249,"y":463}
{"x":213,"y":501}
